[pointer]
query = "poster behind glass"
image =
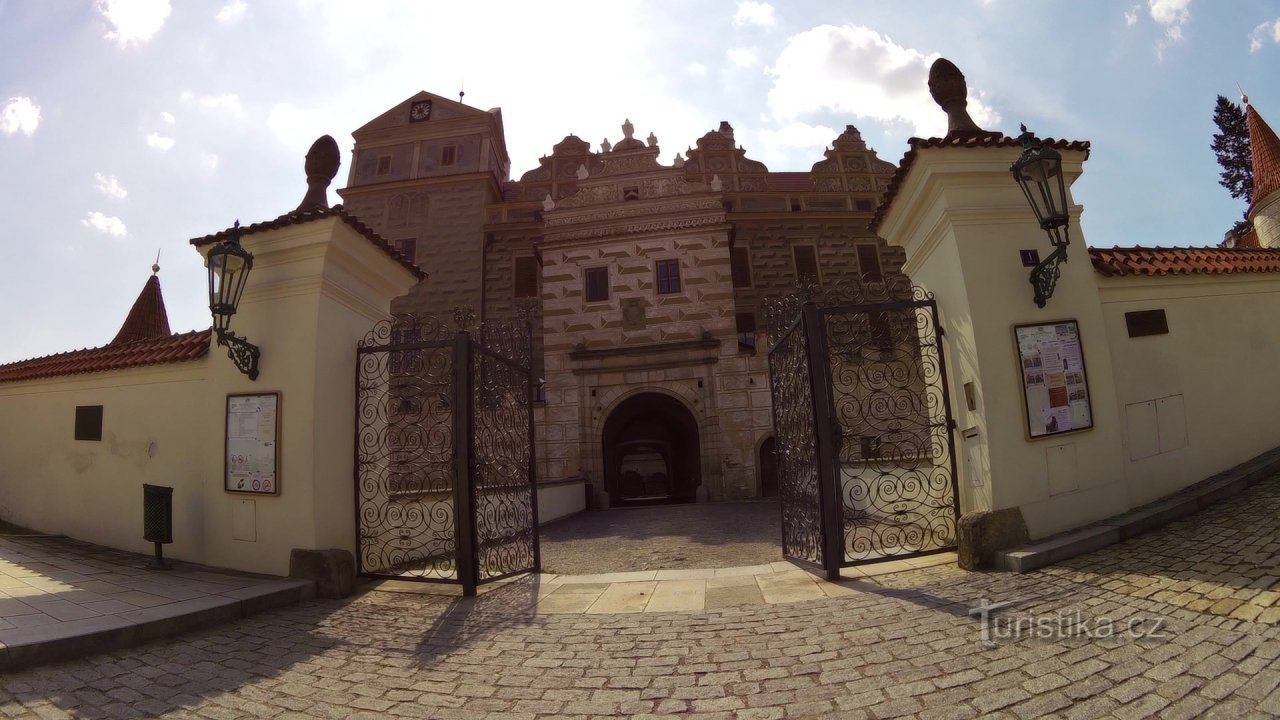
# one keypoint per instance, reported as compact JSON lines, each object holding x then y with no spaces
{"x":1055,"y":387}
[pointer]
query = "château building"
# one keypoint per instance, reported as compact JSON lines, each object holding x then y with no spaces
{"x":644,"y":281}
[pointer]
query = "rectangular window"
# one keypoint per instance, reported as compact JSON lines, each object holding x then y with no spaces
{"x":526,"y":277}
{"x":597,"y":284}
{"x":668,"y":276}
{"x":869,"y":263}
{"x":448,"y":154}
{"x":384,"y":164}
{"x":408,"y":247}
{"x":89,"y":422}
{"x":746,"y":332}
{"x":864,"y":205}
{"x":806,"y":257}
{"x":740,"y":264}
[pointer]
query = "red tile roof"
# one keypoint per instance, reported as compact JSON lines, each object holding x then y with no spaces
{"x":967,"y":141}
{"x":306,"y":216}
{"x":790,"y":181}
{"x":1265,"y":147}
{"x":155,"y":351}
{"x":147,"y":319}
{"x":1111,"y":262}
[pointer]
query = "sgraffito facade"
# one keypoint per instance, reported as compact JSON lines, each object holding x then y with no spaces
{"x":644,"y":280}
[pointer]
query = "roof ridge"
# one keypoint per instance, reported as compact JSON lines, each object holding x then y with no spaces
{"x":179,"y":347}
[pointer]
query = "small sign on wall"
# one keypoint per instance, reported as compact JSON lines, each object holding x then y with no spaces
{"x":1055,"y":388}
{"x":252,"y":463}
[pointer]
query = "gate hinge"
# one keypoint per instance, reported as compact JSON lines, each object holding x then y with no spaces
{"x":942,"y":332}
{"x":951,"y":424}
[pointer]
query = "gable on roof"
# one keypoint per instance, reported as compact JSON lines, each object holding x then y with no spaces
{"x":441,"y":108}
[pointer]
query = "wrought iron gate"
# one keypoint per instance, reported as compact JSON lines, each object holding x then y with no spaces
{"x":445,"y":486}
{"x":862,"y":418}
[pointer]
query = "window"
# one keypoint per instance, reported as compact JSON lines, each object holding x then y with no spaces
{"x":740,"y":263}
{"x":526,"y":277}
{"x":869,"y":263}
{"x":746,"y":332}
{"x":408,"y":247}
{"x":668,"y":276}
{"x":89,"y":422}
{"x":630,"y":193}
{"x":806,"y":257}
{"x":864,"y":205}
{"x":384,"y":164}
{"x":597,"y":284}
{"x":448,"y":154}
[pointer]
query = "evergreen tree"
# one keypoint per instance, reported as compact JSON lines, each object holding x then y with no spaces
{"x":1231,"y":145}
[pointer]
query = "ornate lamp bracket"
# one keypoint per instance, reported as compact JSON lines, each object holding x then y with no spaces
{"x":1044,"y":277}
{"x":243,"y":353}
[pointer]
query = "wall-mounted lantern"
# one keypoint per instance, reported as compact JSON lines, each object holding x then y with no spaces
{"x":1039,"y":173}
{"x":229,"y":266}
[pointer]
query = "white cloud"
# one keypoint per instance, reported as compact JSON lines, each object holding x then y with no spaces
{"x":800,"y":136}
{"x":20,"y":114}
{"x":1271,"y":29}
{"x":226,"y":103}
{"x":1173,"y":15}
{"x":743,"y":57}
{"x":156,"y":141}
{"x":1131,"y":17}
{"x":108,"y":185}
{"x":209,"y":160}
{"x":751,"y":12}
{"x":133,"y":21}
{"x":295,"y":128}
{"x":232,"y":12}
{"x":108,"y":224}
{"x":696,"y":69}
{"x":168,"y":118}
{"x":856,"y":70}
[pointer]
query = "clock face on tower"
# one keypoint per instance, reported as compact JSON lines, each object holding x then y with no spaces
{"x":419,"y":111}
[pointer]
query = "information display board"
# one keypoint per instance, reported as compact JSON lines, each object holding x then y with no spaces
{"x":252,"y":460}
{"x":1055,"y":388}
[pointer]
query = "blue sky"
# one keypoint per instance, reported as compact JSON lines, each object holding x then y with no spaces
{"x":130,"y":127}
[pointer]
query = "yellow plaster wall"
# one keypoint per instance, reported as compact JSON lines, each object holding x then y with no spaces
{"x":92,"y":490}
{"x":1220,"y":357}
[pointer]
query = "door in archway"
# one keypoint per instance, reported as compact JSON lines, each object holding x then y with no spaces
{"x":651,"y":451}
{"x":768,"y":469}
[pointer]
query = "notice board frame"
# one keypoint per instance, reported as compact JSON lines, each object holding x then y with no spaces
{"x":1023,"y":370}
{"x":227,"y":481}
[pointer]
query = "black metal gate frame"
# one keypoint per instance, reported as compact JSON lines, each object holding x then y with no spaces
{"x":462,"y":397}
{"x":809,"y":321}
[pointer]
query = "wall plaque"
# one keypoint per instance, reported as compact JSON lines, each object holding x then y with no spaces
{"x":1055,"y":388}
{"x":252,"y":463}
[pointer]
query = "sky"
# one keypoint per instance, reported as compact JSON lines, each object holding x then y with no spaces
{"x":128,"y":127}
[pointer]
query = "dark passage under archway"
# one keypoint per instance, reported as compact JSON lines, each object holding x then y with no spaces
{"x":651,"y":451}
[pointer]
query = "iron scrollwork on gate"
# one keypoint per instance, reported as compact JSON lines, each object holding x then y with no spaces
{"x":444,"y":451}
{"x":881,"y":405}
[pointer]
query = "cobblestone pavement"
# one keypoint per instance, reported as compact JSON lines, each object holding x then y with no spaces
{"x":901,"y":644}
{"x":665,"y":537}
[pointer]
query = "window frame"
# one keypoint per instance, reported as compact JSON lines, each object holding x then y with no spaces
{"x":586,"y":284}
{"x":658,"y":279}
{"x":733,"y":276}
{"x":795,"y":262}
{"x":378,"y":169}
{"x":448,"y":155}
{"x":875,"y":250}
{"x":515,"y":276}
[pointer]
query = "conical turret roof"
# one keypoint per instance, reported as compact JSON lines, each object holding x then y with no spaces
{"x":147,"y":319}
{"x":1266,"y":154}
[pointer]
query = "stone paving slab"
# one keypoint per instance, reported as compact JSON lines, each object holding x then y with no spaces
{"x":900,"y":644}
{"x":61,"y":598}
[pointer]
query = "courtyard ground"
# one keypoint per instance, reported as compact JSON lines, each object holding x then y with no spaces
{"x":705,"y":535}
{"x":1190,"y":613}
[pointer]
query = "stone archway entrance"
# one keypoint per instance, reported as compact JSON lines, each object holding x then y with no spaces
{"x":651,"y":452}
